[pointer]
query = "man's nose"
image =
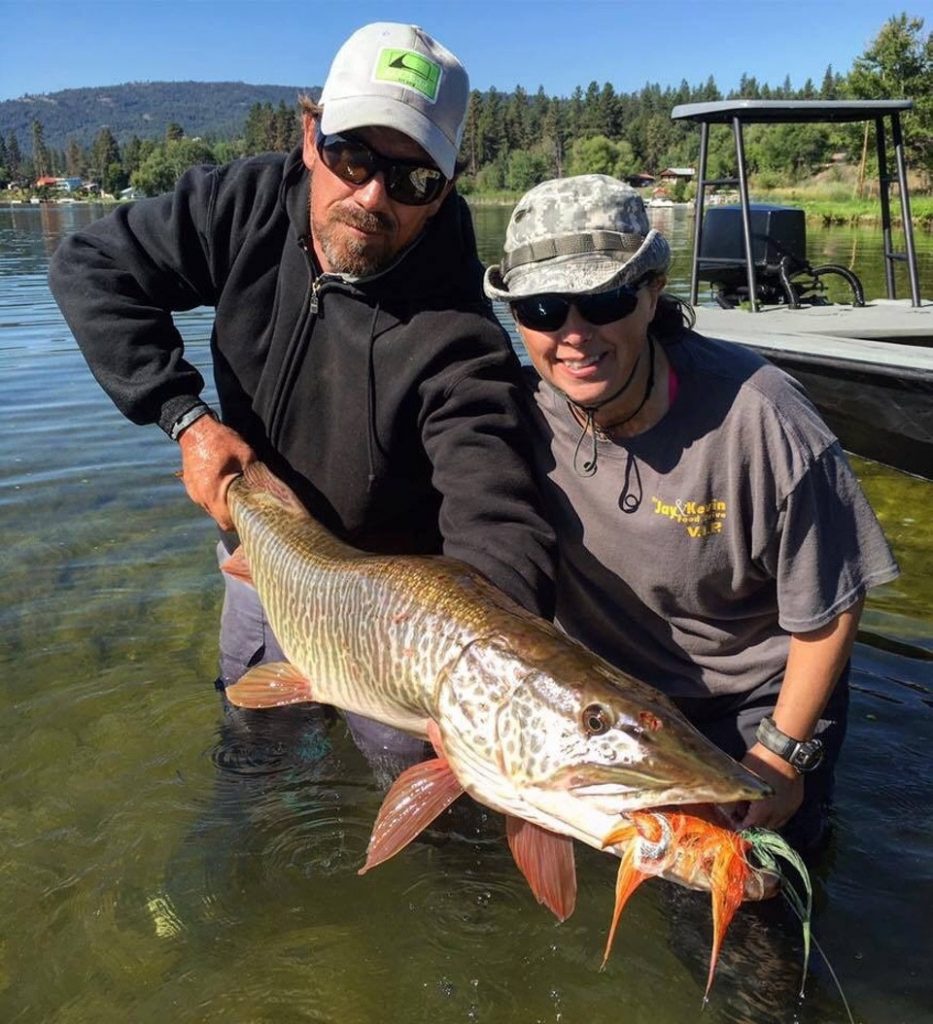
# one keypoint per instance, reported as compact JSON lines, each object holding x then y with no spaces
{"x":373,"y":195}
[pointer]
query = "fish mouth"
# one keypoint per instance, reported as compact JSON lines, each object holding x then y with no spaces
{"x":722,"y":781}
{"x":617,"y":798}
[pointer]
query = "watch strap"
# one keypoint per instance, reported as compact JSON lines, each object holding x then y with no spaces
{"x":804,"y":755}
{"x":191,"y":416}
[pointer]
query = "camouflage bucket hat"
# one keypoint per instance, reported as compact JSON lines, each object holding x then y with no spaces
{"x":576,"y":235}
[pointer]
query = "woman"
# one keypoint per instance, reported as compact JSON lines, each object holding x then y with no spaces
{"x":714,"y":541}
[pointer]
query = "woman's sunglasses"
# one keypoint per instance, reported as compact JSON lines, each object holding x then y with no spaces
{"x":406,"y":181}
{"x":549,"y":312}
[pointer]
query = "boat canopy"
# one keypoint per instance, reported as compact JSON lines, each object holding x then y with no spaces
{"x":738,"y":112}
{"x":788,"y":111}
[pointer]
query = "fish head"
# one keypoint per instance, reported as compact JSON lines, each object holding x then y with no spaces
{"x":578,"y":728}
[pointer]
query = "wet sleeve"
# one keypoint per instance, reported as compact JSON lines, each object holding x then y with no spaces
{"x":830,"y":548}
{"x":118,"y":282}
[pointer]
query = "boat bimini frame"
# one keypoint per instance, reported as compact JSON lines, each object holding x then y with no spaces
{"x":738,"y":113}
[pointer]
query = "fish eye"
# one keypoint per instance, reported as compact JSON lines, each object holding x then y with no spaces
{"x":596,"y":720}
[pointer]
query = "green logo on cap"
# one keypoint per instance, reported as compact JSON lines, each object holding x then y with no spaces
{"x":410,"y":69}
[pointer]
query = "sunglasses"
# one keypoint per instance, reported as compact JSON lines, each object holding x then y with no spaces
{"x":549,"y":312}
{"x":406,"y":181}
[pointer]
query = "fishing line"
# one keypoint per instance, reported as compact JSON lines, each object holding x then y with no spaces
{"x":768,"y":847}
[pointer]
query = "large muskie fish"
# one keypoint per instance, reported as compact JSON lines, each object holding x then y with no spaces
{"x":524,"y":719}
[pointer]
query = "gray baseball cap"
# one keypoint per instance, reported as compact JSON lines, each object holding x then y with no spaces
{"x":575,"y":235}
{"x":396,"y":76}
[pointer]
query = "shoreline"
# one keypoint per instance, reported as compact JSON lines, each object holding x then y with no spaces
{"x":826,"y":213}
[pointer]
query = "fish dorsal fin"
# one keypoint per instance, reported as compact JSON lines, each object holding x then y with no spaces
{"x":237,"y":566}
{"x":415,"y":799}
{"x":259,"y":477}
{"x":546,"y":860}
{"x":270,"y":686}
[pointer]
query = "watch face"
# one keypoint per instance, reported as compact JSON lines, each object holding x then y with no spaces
{"x":807,"y":756}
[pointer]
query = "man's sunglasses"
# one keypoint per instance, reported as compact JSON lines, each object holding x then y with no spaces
{"x":549,"y":312}
{"x":406,"y":181}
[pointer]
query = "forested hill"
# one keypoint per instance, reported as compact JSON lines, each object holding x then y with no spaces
{"x":211,"y":110}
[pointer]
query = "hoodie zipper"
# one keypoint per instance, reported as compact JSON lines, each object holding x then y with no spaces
{"x":312,"y":309}
{"x":290,"y":361}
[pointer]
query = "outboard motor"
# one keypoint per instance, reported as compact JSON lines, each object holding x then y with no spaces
{"x":779,"y":252}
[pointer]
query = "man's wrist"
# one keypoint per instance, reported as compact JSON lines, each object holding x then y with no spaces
{"x":188,"y":418}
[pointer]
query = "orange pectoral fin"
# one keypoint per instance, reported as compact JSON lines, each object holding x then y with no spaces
{"x":627,"y":881}
{"x":415,"y":799}
{"x":270,"y":686}
{"x":237,"y":567}
{"x":546,"y":860}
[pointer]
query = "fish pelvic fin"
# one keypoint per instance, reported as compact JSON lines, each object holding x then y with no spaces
{"x":237,"y":567}
{"x":270,"y":686}
{"x":414,"y":800}
{"x":546,"y":861}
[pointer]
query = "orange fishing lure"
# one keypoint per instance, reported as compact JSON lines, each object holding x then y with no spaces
{"x":692,"y":852}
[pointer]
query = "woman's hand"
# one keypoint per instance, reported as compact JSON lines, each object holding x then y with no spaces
{"x":211,"y":456}
{"x":773,"y":811}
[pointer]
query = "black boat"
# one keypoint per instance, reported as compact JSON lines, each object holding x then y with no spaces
{"x":868,"y":366}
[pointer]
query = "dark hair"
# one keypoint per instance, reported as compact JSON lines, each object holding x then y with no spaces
{"x":309,"y":107}
{"x":672,"y":316}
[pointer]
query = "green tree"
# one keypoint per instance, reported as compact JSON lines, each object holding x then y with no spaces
{"x":14,"y":156}
{"x":526,"y":169}
{"x":259,"y":130}
{"x":167,"y":162}
{"x":132,"y":155}
{"x":74,"y":160}
{"x":105,"y":164}
{"x":554,"y":130}
{"x":517,"y":118}
{"x":41,"y":161}
{"x":491,"y":127}
{"x":174,"y":132}
{"x":899,"y":65}
{"x":599,"y":155}
{"x":285,"y":127}
{"x":470,"y":145}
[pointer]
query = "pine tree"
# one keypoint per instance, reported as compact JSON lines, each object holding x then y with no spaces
{"x":74,"y":160}
{"x":42,"y":165}
{"x":14,"y":156}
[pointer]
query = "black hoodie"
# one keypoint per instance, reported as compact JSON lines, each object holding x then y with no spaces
{"x":391,"y":404}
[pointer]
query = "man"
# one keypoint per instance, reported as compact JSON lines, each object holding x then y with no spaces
{"x":352,"y":348}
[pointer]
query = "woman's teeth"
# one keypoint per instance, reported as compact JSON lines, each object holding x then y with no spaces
{"x":581,"y":364}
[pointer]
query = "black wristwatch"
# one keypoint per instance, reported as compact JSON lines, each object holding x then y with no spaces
{"x":804,"y":755}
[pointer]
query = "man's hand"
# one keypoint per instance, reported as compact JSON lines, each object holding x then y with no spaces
{"x":211,"y":456}
{"x":772,"y":811}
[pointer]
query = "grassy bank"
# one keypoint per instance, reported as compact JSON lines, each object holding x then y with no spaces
{"x":823,"y":206}
{"x":836,"y":204}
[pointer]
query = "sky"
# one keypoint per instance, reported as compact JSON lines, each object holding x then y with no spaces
{"x":47,"y":45}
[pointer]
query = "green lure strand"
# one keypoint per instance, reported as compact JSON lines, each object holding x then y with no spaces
{"x":769,"y":849}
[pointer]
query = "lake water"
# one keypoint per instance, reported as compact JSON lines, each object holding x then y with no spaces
{"x":134,"y":889}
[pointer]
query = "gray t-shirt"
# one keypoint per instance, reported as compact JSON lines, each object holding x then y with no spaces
{"x":697,"y":547}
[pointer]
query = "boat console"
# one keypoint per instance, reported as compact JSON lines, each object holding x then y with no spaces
{"x":783,"y":274}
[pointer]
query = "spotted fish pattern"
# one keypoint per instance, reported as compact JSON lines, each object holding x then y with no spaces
{"x":533,"y":724}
